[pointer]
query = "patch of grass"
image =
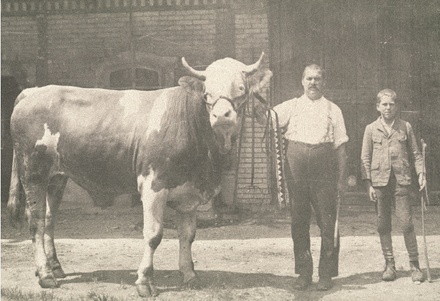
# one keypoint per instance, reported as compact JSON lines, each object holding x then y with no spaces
{"x":17,"y":294}
{"x":13,"y":294}
{"x":92,"y":296}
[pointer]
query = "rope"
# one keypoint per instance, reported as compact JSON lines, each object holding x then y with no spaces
{"x":279,"y":155}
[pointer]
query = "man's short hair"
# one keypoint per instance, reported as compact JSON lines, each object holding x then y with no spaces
{"x":314,"y":67}
{"x":386,"y":92}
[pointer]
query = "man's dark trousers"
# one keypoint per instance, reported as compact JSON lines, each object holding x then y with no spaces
{"x":312,"y":181}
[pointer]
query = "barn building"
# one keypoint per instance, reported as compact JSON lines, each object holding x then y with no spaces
{"x":364,"y":46}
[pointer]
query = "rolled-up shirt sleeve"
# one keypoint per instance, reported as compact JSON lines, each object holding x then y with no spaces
{"x":283,"y":112}
{"x":340,"y":133}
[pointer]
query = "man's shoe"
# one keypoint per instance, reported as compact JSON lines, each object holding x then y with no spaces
{"x":302,"y":283}
{"x":416,"y":273}
{"x":324,"y":284}
{"x":389,"y":274}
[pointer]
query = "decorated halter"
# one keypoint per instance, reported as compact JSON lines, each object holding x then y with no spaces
{"x":237,"y":106}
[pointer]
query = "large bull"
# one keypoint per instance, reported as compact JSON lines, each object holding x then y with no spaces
{"x":169,"y":145}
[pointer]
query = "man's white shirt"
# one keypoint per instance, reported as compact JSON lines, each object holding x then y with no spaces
{"x":312,"y":121}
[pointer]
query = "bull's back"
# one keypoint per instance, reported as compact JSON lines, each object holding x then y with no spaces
{"x":94,"y":132}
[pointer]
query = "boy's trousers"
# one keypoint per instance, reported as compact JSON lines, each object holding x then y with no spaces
{"x":312,"y":181}
{"x":397,"y":195}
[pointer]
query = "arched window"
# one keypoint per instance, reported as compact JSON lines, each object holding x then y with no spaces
{"x":142,"y":79}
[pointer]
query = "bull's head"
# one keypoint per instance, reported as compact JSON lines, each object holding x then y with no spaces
{"x":228,"y":84}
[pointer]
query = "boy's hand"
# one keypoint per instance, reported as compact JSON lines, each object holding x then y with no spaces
{"x":372,"y":194}
{"x":422,"y":181}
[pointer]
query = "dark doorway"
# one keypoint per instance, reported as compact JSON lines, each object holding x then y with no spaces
{"x":10,"y":91}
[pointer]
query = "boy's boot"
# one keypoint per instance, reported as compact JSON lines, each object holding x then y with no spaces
{"x":390,"y":270}
{"x":416,"y":273}
{"x":389,"y":274}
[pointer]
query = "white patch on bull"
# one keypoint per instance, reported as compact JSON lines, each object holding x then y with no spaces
{"x":49,"y":140}
{"x":25,"y":93}
{"x":142,"y":180}
{"x":131,"y":102}
{"x":29,"y":91}
{"x":159,"y":108}
{"x":147,"y":194}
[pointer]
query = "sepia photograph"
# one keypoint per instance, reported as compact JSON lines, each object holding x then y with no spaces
{"x":220,"y":150}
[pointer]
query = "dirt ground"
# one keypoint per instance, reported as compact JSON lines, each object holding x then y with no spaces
{"x":238,"y":257}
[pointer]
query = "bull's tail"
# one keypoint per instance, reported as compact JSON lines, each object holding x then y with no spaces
{"x":16,"y":203}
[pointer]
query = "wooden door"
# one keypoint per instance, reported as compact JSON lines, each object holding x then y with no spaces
{"x":364,"y":46}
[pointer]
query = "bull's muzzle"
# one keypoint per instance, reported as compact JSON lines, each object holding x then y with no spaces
{"x":224,"y":120}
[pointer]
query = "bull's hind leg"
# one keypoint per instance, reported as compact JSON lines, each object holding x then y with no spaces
{"x":35,"y":183}
{"x":54,"y":196}
{"x":186,"y":227}
{"x":153,"y":208}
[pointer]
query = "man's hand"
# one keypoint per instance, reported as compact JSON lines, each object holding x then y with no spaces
{"x":341,"y":155}
{"x":422,"y":181}
{"x":342,"y":186}
{"x":260,"y":113}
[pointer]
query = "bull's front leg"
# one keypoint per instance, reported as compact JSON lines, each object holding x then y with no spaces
{"x":153,"y":208}
{"x":186,"y":227}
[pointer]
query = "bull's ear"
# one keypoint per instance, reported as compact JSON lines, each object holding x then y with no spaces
{"x":259,"y":80}
{"x":192,"y":84}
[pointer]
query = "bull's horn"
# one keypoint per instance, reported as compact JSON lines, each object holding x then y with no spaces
{"x":196,"y":73}
{"x":254,"y":67}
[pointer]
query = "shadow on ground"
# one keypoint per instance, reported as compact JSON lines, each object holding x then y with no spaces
{"x":170,"y":280}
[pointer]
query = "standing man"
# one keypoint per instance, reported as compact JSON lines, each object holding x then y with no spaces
{"x":317,"y":159}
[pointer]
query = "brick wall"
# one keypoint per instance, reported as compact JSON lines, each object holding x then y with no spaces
{"x":251,"y":32}
{"x":78,"y":44}
{"x":20,"y":43}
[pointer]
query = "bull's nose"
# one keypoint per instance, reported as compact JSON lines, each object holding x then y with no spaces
{"x":222,"y":112}
{"x":225,"y":115}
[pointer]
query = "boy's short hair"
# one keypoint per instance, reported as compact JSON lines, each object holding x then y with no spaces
{"x":386,"y":92}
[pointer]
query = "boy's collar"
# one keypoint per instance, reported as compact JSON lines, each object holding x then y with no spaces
{"x":380,"y":125}
{"x":385,"y":124}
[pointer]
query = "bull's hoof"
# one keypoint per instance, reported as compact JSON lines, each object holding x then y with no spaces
{"x":147,"y":290}
{"x":59,"y":273}
{"x":48,"y":282}
{"x":193,"y":283}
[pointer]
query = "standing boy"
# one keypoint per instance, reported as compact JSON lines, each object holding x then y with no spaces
{"x":388,"y":142}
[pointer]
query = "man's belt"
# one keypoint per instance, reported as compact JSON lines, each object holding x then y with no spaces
{"x":308,"y":145}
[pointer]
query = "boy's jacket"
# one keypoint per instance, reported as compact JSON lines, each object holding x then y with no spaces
{"x":382,"y":151}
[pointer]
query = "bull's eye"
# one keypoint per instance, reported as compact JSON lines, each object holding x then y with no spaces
{"x":241,"y":88}
{"x":208,"y":104}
